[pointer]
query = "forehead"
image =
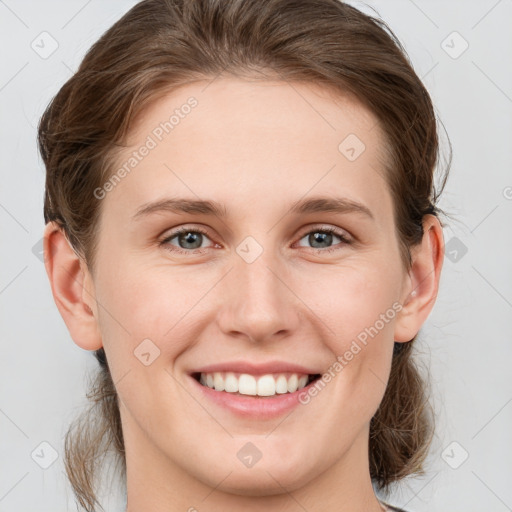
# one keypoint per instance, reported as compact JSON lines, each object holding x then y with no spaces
{"x":252,"y":144}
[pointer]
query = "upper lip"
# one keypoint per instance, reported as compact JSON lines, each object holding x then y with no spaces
{"x":256,"y":369}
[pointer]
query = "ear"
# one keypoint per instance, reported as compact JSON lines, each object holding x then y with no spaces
{"x":420,"y":291}
{"x":72,"y":288}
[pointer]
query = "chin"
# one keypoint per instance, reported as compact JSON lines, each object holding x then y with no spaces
{"x":265,"y":481}
{"x":264,"y":478}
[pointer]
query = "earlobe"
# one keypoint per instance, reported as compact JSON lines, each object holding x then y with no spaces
{"x":423,"y":282}
{"x":67,"y":274}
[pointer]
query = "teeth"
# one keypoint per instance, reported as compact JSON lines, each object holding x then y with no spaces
{"x":230,"y":383}
{"x":266,"y":386}
{"x":245,"y":384}
{"x":218,"y":382}
{"x":281,"y":384}
{"x":293,"y":382}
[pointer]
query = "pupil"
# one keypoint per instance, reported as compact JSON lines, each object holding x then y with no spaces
{"x":322,"y":237}
{"x":188,"y":238}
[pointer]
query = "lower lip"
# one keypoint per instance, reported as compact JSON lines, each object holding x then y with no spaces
{"x":254,"y":406}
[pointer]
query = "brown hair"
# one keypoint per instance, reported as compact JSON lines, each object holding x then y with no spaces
{"x":161,"y":44}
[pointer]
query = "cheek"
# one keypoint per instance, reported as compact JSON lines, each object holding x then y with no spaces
{"x":142,"y":312}
{"x":359,"y":306}
{"x":154,"y":301}
{"x":141,"y":302}
{"x":354,"y":301}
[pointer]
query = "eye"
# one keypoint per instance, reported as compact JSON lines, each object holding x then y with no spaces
{"x":324,"y":235}
{"x":188,"y":239}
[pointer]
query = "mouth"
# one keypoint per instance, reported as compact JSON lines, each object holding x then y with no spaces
{"x":258,"y":386}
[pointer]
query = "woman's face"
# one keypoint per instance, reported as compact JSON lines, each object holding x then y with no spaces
{"x":265,"y":290}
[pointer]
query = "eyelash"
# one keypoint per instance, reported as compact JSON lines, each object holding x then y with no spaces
{"x":324,"y":229}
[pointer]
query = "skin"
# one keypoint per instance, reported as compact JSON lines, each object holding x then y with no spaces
{"x":255,"y":147}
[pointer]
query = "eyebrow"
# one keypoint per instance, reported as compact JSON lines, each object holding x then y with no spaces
{"x":205,"y":207}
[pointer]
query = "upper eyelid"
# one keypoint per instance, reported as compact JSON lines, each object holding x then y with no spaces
{"x":326,"y":227}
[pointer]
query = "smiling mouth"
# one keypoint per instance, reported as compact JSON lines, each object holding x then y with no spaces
{"x":267,"y":385}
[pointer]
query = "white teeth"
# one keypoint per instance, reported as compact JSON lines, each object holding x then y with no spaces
{"x":246,"y":384}
{"x":281,"y":385}
{"x":302,"y":381}
{"x":293,"y":382}
{"x":218,"y":381}
{"x":266,"y":386}
{"x":230,"y":383}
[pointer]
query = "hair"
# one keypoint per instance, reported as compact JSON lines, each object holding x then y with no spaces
{"x":159,"y":45}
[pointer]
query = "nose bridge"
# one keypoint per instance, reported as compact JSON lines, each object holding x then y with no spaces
{"x":258,"y":303}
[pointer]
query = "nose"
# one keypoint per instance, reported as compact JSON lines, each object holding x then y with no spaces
{"x":257,"y":302}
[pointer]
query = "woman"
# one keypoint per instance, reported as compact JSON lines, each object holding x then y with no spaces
{"x":242,"y":224}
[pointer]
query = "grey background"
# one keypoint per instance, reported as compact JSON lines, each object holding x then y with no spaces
{"x":466,"y":341}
